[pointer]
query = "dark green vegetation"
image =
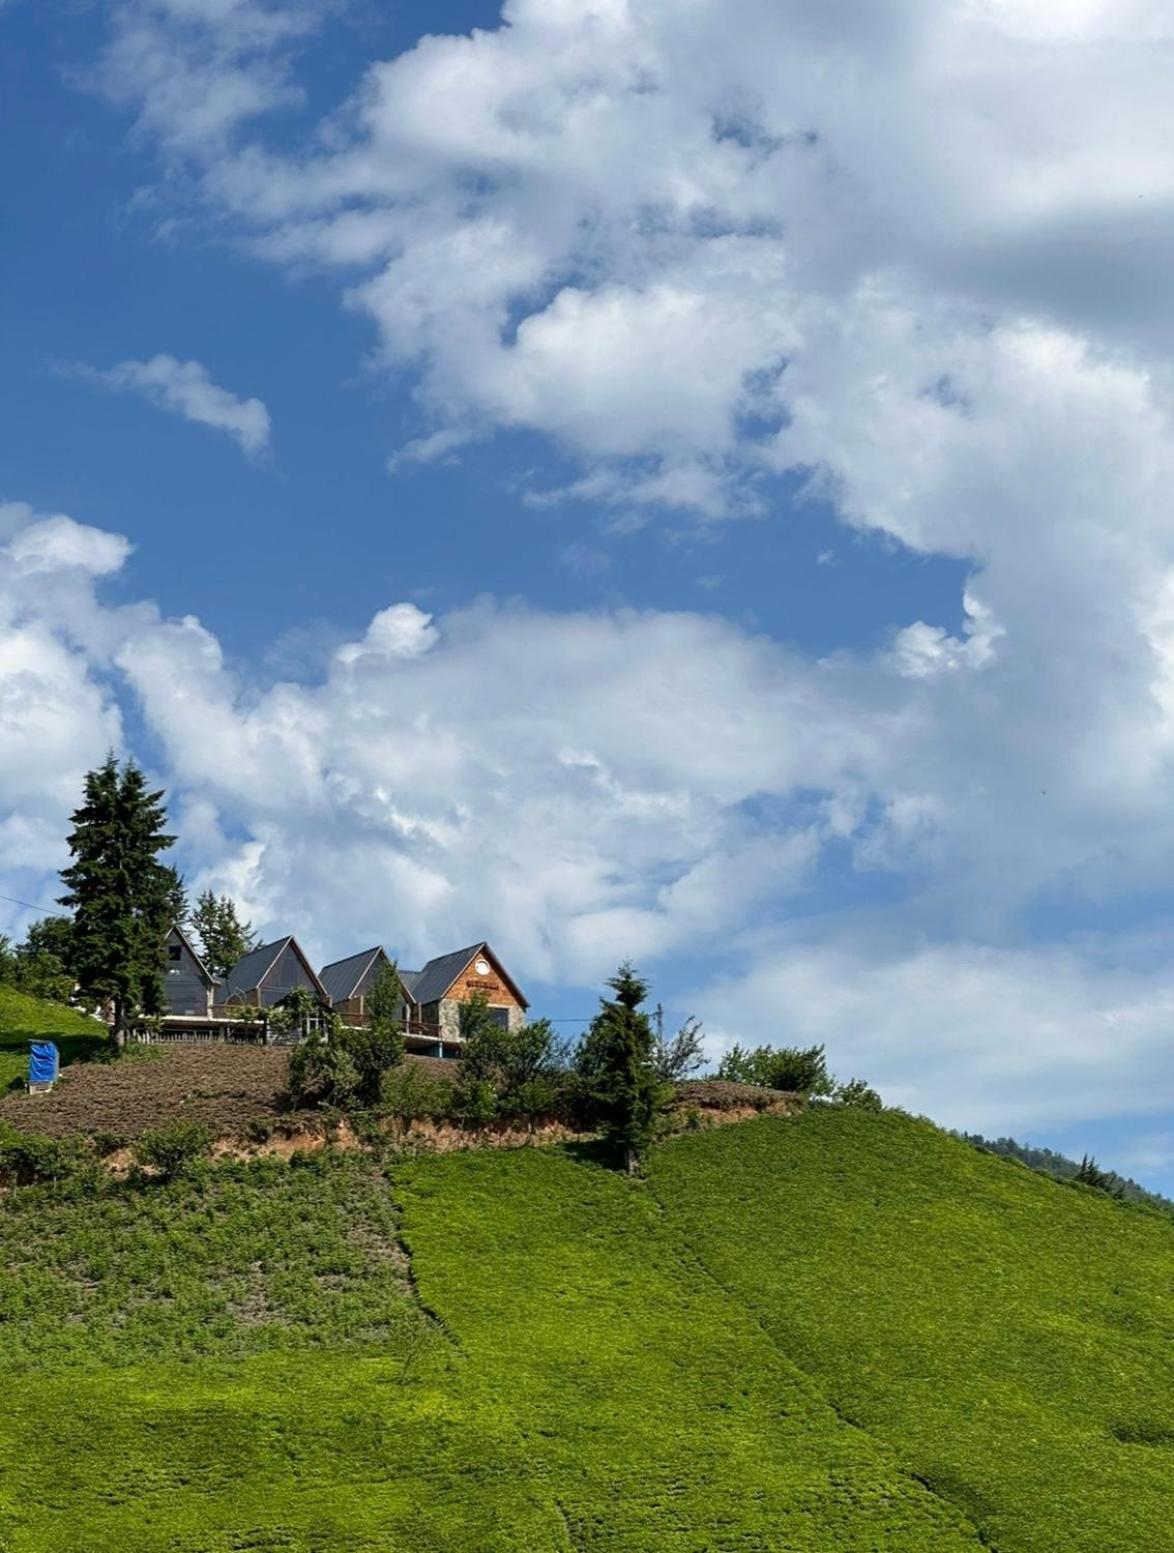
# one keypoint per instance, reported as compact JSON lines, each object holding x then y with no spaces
{"x":1010,"y":1338}
{"x":24,"y":1019}
{"x":122,"y":897}
{"x":841,"y":1331}
{"x":1065,"y":1169}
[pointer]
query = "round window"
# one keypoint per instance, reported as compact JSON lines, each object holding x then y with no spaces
{"x":482,"y":967}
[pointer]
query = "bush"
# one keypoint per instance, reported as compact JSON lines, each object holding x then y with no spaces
{"x":171,"y":1150}
{"x":798,"y":1069}
{"x":859,"y":1094}
{"x":26,"y":1157}
{"x":410,"y":1094}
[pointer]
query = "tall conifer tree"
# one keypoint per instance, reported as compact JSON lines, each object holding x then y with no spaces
{"x":224,"y":938}
{"x":618,"y":1070}
{"x":120,"y":893}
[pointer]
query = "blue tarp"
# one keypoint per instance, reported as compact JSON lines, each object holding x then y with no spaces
{"x":43,"y":1062}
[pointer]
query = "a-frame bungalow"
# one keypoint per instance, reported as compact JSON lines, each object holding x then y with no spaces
{"x":348,"y":982}
{"x":189,"y":988}
{"x":266,"y":975}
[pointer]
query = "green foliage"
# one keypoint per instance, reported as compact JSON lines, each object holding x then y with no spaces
{"x":675,"y":1057}
{"x":24,"y":1018}
{"x":172,"y":1150}
{"x":616,"y":1065}
{"x":224,"y":938}
{"x":336,"y":1064}
{"x":1062,"y":1168}
{"x":237,"y":1359}
{"x":380,"y":1045}
{"x":27,"y":1157}
{"x":991,"y":1329}
{"x":517,"y":1074}
{"x":859,"y":1094}
{"x":799,"y":1069}
{"x":120,"y":893}
{"x":1091,"y":1174}
{"x":410,"y":1093}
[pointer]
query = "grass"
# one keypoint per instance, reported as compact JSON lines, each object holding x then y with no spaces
{"x":1007,"y":1336}
{"x":837,"y":1334}
{"x":24,"y":1019}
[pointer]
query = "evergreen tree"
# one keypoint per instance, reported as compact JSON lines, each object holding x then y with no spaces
{"x":378,"y":1045}
{"x":179,"y":908}
{"x":224,"y":938}
{"x":120,"y":893}
{"x":617,"y":1068}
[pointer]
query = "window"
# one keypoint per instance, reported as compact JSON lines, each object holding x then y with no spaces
{"x":500,"y":1016}
{"x":174,"y":952}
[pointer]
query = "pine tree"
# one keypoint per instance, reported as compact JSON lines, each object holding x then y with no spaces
{"x":224,"y":938}
{"x":120,"y":893}
{"x":617,"y":1068}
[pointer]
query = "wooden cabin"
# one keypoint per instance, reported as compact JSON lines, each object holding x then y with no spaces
{"x":189,"y":988}
{"x":268,"y":974}
{"x":431,"y":1011}
{"x":438,"y":991}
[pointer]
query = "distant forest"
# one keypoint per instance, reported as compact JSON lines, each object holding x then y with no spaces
{"x":1065,"y":1169}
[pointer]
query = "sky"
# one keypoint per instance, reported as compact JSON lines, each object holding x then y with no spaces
{"x":688,"y":482}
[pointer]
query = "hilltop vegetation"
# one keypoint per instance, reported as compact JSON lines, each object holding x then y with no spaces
{"x":840,"y":1331}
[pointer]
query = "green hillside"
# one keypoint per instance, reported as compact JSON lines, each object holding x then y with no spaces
{"x":24,"y":1019}
{"x":839,"y":1332}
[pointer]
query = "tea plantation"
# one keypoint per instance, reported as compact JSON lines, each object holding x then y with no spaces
{"x":841,"y":1333}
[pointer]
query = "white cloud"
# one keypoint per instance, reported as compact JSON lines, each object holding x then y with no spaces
{"x":983,"y":1039}
{"x":186,"y":388}
{"x":592,"y":785}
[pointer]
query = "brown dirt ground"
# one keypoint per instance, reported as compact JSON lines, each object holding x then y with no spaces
{"x":232,"y":1090}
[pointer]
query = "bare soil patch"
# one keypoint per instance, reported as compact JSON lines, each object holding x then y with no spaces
{"x":231,"y":1090}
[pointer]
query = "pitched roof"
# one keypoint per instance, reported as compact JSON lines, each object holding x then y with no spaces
{"x":250,"y":971}
{"x":438,"y":975}
{"x":409,"y":980}
{"x":343,"y":978}
{"x":213,"y":981}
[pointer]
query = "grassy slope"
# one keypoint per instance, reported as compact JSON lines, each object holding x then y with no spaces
{"x":242,"y":1363}
{"x":1009,"y":1336}
{"x":24,"y":1019}
{"x":653,"y":1406}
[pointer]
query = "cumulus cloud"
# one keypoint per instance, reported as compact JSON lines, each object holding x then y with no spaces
{"x":911,"y":255}
{"x":595,"y":785}
{"x":187,"y":389}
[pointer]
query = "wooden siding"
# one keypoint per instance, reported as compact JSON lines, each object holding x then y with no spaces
{"x":495,"y":986}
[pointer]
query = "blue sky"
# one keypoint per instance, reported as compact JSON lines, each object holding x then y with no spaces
{"x":766,"y":490}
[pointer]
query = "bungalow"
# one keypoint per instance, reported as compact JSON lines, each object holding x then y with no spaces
{"x":348,"y":982}
{"x":438,"y":991}
{"x":266,"y":975}
{"x":433,"y":996}
{"x":189,"y":988}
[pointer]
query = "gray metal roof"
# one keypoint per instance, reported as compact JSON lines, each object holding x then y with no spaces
{"x":249,"y":970}
{"x":343,"y":978}
{"x":408,"y":981}
{"x":439,"y":974}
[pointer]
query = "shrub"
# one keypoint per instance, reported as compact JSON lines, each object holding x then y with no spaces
{"x":799,"y":1069}
{"x":171,"y":1150}
{"x":26,"y":1157}
{"x":409,"y":1094}
{"x":859,"y":1094}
